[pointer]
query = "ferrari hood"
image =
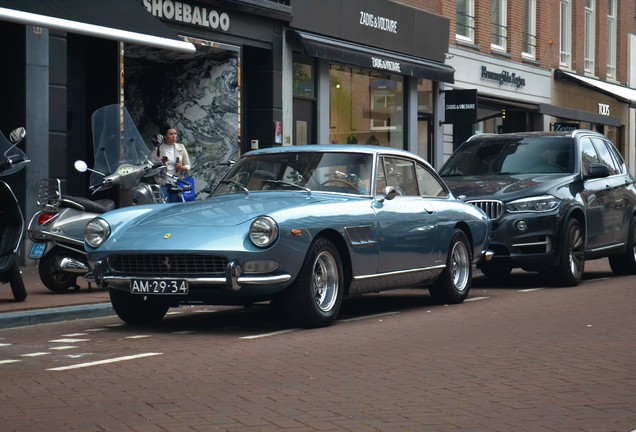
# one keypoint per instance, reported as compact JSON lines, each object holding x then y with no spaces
{"x":220,"y":211}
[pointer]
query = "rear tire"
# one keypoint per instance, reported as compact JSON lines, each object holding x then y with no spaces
{"x":52,"y":277}
{"x":17,"y":283}
{"x":137,"y":309}
{"x":454,"y":283}
{"x":571,"y":266}
{"x":625,"y":264}
{"x":315,"y":297}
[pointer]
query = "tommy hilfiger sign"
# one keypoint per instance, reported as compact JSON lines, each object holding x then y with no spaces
{"x":503,"y":77}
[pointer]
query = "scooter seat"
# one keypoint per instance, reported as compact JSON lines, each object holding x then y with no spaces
{"x":85,"y":204}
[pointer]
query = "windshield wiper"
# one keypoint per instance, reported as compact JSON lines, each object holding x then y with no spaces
{"x":235,"y":183}
{"x":286,"y":183}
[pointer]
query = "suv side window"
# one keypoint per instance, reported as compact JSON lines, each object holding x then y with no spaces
{"x":588,"y":154}
{"x":618,"y":159}
{"x":605,"y":155}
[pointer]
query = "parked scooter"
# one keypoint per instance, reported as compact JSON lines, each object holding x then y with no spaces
{"x":12,"y":160}
{"x":122,"y":161}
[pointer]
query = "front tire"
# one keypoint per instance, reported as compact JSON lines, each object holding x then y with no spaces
{"x":569,"y":272}
{"x":17,"y":283}
{"x":137,"y":309}
{"x":315,"y":297}
{"x":454,"y":283}
{"x":625,"y":264}
{"x":52,"y":276}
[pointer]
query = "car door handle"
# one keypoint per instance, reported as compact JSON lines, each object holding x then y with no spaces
{"x":428,"y":208}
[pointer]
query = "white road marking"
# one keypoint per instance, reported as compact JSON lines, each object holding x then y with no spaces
{"x":368,"y":317}
{"x":5,"y":344}
{"x":9,"y":361}
{"x":472,"y":299}
{"x":530,"y":290}
{"x":137,"y":337}
{"x":75,"y":334}
{"x":269,"y":334}
{"x":69,"y":340}
{"x":96,"y":329}
{"x":106,"y":361}
{"x":63,"y":347}
{"x":35,"y":354}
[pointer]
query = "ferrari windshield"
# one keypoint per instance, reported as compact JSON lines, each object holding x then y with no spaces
{"x":529,"y":155}
{"x":311,"y":171}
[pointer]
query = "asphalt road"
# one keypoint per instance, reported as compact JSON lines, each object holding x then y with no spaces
{"x":518,"y":356}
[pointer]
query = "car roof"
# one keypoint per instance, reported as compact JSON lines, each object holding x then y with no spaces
{"x":521,"y":135}
{"x":344,"y":148}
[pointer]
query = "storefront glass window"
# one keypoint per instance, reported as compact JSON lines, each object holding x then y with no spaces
{"x":366,"y":107}
{"x":303,"y":76}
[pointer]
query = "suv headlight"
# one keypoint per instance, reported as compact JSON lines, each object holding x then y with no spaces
{"x":533,"y":204}
{"x":96,"y":232}
{"x":263,"y":231}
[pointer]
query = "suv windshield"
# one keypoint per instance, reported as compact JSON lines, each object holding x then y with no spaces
{"x":506,"y":155}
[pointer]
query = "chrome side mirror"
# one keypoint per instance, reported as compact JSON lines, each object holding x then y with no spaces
{"x":388,"y":193}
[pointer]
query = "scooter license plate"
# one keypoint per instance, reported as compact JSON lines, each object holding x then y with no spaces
{"x":37,"y":250}
{"x":159,"y":286}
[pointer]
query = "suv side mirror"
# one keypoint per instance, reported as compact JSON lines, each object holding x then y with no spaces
{"x":597,"y":170}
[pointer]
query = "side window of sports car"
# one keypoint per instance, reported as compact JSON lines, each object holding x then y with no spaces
{"x":605,"y":156}
{"x":400,"y":173}
{"x":429,"y":185}
{"x":588,"y":154}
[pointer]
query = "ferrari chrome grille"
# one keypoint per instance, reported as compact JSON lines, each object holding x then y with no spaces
{"x":162,"y":264}
{"x":494,"y":209}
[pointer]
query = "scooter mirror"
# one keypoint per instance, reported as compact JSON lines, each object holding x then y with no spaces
{"x":17,"y":135}
{"x":81,"y":166}
{"x":157,"y":140}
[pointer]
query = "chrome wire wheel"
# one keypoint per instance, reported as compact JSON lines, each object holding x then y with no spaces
{"x":460,"y":266}
{"x":324,"y":283}
{"x":576,"y":252}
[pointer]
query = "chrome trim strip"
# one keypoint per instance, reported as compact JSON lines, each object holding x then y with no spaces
{"x":243,"y":280}
{"x":542,"y":243}
{"x":399,"y":272}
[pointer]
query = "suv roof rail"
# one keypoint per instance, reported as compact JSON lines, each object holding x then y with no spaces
{"x":485,"y":134}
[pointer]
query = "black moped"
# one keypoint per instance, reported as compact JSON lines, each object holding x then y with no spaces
{"x":12,"y":160}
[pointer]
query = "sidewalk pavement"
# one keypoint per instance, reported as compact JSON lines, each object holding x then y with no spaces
{"x":43,"y":306}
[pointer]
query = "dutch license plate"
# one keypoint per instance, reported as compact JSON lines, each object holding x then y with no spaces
{"x":159,"y":286}
{"x":37,"y":250}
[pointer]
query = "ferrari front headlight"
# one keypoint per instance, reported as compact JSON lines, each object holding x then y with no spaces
{"x":538,"y":204}
{"x":96,"y":232}
{"x":263,"y":231}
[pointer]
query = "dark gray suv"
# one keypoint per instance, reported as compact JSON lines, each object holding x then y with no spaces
{"x":555,"y":200}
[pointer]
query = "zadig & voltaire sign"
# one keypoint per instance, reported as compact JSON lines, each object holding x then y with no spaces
{"x":188,"y":14}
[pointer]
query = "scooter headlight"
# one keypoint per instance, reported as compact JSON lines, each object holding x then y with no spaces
{"x":96,"y":232}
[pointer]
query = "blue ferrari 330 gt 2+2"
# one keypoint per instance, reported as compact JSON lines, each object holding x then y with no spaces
{"x":304,"y":226}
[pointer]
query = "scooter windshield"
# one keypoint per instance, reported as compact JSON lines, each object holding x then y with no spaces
{"x":8,"y":151}
{"x":116,"y":141}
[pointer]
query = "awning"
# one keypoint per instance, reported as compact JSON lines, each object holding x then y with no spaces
{"x":121,"y":20}
{"x":360,"y":55}
{"x":619,"y":92}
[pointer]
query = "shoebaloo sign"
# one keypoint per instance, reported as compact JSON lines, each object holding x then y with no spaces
{"x":187,"y":13}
